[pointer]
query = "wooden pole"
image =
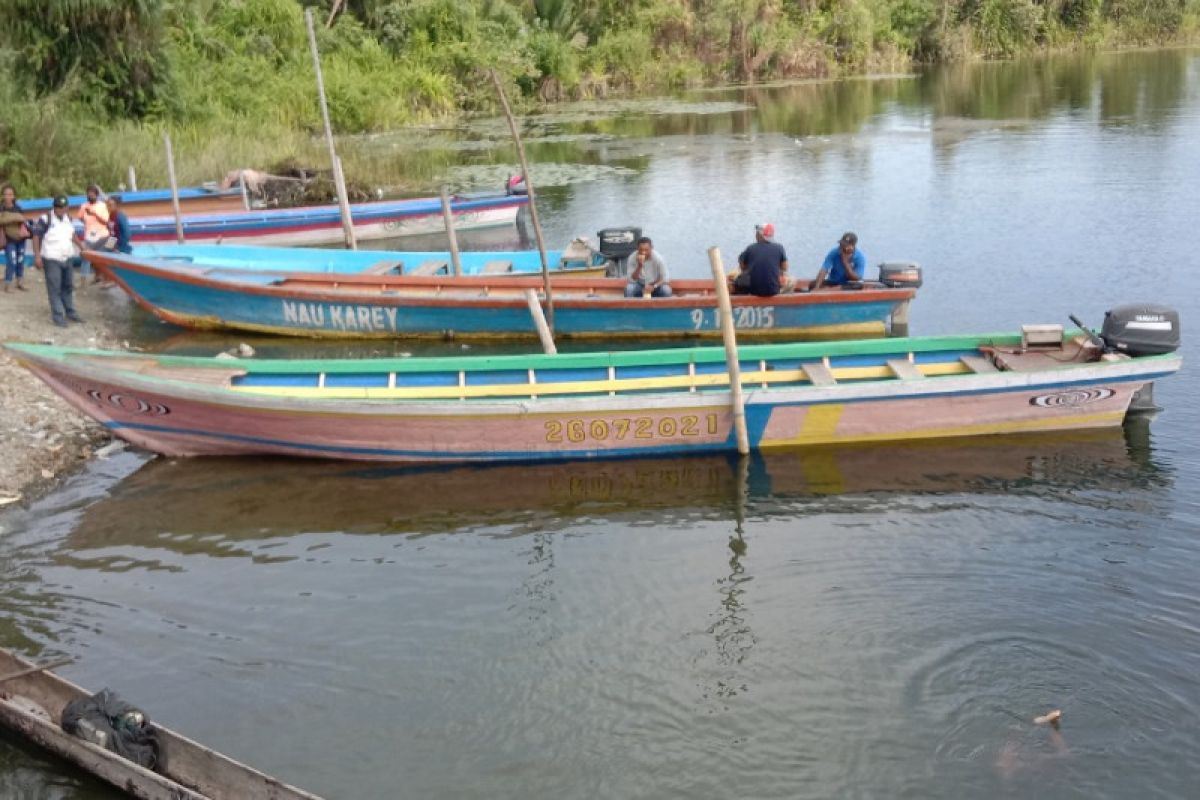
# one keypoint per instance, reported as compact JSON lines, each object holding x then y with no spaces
{"x":174,"y":188}
{"x":347,"y":222}
{"x":62,"y":662}
{"x":543,"y":329}
{"x":132,"y":179}
{"x":537,"y":226}
{"x":448,"y":217}
{"x":728,"y":333}
{"x":339,"y":182}
{"x":245,"y":193}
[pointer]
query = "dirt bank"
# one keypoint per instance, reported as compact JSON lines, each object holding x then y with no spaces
{"x":43,"y":437}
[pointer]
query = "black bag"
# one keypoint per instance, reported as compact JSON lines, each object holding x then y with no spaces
{"x":107,"y":720}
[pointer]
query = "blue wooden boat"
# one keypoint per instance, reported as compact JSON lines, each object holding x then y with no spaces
{"x":320,"y":304}
{"x":577,"y":258}
{"x":192,"y":199}
{"x":311,"y":225}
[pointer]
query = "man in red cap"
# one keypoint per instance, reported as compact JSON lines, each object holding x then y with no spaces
{"x":763,"y":266}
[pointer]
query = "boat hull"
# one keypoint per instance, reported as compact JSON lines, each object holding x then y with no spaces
{"x":316,"y":225}
{"x":310,"y":305}
{"x":194,"y":419}
{"x":156,"y":202}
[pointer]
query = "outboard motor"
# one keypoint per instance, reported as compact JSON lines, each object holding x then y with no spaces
{"x":617,"y":245}
{"x":515,"y":185}
{"x":900,"y":274}
{"x":1141,"y":329}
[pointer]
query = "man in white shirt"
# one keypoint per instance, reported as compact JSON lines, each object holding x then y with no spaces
{"x":55,"y":243}
{"x":649,"y":272}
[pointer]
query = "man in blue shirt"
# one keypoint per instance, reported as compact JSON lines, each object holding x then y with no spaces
{"x":843,"y":264}
{"x":763,"y":266}
{"x":118,"y":227}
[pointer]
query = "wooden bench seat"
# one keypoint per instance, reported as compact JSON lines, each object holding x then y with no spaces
{"x":904,"y":369}
{"x":385,"y":267}
{"x":433,"y":267}
{"x":818,"y":374}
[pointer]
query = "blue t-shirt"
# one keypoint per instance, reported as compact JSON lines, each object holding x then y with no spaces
{"x":836,"y":271}
{"x":763,"y":259}
{"x":120,"y":231}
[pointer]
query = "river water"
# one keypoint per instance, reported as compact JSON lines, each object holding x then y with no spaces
{"x":853,"y":622}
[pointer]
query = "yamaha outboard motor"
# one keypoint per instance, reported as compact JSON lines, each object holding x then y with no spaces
{"x":1141,"y":330}
{"x":617,"y":245}
{"x":902,"y":274}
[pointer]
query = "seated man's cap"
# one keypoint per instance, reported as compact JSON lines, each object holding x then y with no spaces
{"x":767,"y":229}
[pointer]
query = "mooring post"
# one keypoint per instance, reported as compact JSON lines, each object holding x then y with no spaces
{"x":335,"y":165}
{"x":174,"y":187}
{"x":537,"y":225}
{"x":451,"y":236}
{"x":736,"y":401}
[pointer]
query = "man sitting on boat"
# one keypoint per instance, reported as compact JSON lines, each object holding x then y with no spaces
{"x":763,"y":266}
{"x":843,"y":264}
{"x":649,"y":272}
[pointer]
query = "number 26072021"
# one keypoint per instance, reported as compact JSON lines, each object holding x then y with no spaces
{"x":603,"y":430}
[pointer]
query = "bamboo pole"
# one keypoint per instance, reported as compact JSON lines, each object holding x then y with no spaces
{"x":736,"y":401}
{"x":132,"y":179}
{"x":539,"y":320}
{"x":448,"y":218}
{"x":174,"y":188}
{"x":537,"y":225}
{"x":339,"y":183}
{"x":347,"y":222}
{"x":245,"y":193}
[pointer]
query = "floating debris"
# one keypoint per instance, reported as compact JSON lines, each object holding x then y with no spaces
{"x":1049,"y":719}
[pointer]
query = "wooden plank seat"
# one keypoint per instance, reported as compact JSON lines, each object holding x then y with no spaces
{"x":979,"y":364}
{"x":385,"y":267}
{"x":904,"y":369}
{"x":432,"y":267}
{"x":497,"y":267}
{"x":819,"y":374}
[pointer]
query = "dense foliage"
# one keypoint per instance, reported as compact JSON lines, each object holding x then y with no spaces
{"x":237,"y":74}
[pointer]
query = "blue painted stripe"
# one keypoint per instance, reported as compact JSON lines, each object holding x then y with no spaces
{"x":356,"y":380}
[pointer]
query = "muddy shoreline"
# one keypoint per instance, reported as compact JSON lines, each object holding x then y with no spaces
{"x":45,"y":439}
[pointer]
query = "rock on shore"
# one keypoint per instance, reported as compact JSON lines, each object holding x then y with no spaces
{"x":44,"y":437}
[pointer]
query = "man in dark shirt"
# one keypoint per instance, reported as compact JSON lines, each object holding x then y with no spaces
{"x":763,"y":266}
{"x":118,"y":227}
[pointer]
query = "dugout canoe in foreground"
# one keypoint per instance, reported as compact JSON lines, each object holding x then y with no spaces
{"x":619,"y":404}
{"x":31,"y":706}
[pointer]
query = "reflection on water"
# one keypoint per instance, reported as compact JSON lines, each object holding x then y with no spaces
{"x":881,"y":621}
{"x":217,"y":502}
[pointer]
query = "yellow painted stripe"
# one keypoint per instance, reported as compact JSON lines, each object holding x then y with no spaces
{"x":775,"y":376}
{"x":820,"y":423}
{"x":984,"y":429}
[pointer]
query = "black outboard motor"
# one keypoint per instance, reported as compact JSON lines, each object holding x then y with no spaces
{"x":902,"y":274}
{"x":617,"y":245}
{"x":1141,"y":329}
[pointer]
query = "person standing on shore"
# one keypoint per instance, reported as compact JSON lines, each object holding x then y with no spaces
{"x":94,"y":216}
{"x":14,"y":232}
{"x":55,"y":243}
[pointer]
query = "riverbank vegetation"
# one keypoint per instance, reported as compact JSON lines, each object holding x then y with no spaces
{"x":93,"y":83}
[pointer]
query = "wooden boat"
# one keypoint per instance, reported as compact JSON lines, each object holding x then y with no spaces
{"x":381,"y":305}
{"x":31,"y":706}
{"x":150,"y":202}
{"x":578,"y":258}
{"x":590,"y":405}
{"x":307,"y":225}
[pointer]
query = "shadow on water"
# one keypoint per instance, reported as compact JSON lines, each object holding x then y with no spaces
{"x":217,"y":502}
